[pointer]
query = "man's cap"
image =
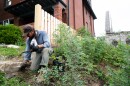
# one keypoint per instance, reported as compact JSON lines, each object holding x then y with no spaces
{"x":27,"y":28}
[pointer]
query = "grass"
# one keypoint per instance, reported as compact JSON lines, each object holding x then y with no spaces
{"x":11,"y":52}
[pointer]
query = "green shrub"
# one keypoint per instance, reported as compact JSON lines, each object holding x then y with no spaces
{"x":70,"y":47}
{"x":89,"y":57}
{"x":109,"y":63}
{"x":10,"y":34}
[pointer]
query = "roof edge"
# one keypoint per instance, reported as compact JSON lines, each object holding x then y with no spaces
{"x":90,"y":9}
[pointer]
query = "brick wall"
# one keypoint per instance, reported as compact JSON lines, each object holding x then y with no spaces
{"x":79,"y":16}
{"x":16,"y":1}
{"x":58,"y":11}
{"x":3,"y":14}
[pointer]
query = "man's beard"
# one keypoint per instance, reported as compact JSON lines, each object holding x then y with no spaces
{"x":32,"y":36}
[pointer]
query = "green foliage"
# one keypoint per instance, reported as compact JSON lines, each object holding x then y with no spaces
{"x":88,"y":57}
{"x":50,"y":75}
{"x":85,"y":54}
{"x":71,"y":48}
{"x":11,"y":82}
{"x":10,"y":34}
{"x":11,"y":52}
{"x":83,"y":32}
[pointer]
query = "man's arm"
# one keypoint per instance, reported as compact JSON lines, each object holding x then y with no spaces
{"x":46,"y":42}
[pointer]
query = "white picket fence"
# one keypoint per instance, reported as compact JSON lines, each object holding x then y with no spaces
{"x":45,"y":21}
{"x":49,"y":24}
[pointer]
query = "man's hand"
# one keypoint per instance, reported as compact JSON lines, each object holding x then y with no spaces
{"x":35,"y":48}
{"x":40,"y":46}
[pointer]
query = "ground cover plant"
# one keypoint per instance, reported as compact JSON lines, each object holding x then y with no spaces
{"x":89,"y":57}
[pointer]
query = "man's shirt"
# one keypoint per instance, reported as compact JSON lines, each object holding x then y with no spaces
{"x":41,"y":38}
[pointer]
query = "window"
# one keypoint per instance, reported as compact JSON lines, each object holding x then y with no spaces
{"x":64,"y":16}
{"x":128,"y":41}
{"x":1,"y":22}
{"x":8,"y":21}
{"x":7,"y":3}
{"x":86,"y":25}
{"x":114,"y":42}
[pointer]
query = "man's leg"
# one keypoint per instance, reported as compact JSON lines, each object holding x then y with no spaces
{"x":46,"y":52}
{"x":36,"y":59}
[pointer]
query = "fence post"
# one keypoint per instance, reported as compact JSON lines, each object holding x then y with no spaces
{"x":38,"y":17}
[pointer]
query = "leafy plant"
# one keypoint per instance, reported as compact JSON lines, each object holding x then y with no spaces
{"x":84,"y":53}
{"x":11,"y":82}
{"x":10,"y":34}
{"x":88,"y":59}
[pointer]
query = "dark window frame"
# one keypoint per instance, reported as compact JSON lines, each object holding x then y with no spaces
{"x":8,"y":21}
{"x":7,"y":3}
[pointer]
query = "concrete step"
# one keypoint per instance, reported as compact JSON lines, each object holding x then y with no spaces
{"x":10,"y":66}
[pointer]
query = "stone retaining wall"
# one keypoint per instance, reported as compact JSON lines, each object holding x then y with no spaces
{"x":119,"y":36}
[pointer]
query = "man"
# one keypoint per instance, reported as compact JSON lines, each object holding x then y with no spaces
{"x":37,"y":46}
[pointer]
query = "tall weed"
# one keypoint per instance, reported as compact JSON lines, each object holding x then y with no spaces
{"x":87,"y":56}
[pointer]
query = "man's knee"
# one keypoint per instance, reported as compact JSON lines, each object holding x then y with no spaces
{"x":48,"y":50}
{"x":33,"y":55}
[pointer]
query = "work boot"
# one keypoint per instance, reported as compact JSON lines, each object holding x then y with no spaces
{"x":24,"y":65}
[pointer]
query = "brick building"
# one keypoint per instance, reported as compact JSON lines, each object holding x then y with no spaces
{"x":76,"y":13}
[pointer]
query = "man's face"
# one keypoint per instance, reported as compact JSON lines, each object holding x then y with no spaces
{"x":31,"y":34}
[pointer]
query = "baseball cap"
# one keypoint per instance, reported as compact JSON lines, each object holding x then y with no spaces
{"x":26,"y":29}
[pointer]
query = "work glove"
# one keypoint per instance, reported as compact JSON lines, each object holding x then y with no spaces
{"x":34,"y":48}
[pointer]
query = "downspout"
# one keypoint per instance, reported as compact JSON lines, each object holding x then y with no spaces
{"x":68,"y":13}
{"x":74,"y":13}
{"x":83,"y":13}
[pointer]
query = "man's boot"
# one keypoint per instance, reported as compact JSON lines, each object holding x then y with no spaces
{"x":24,"y":65}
